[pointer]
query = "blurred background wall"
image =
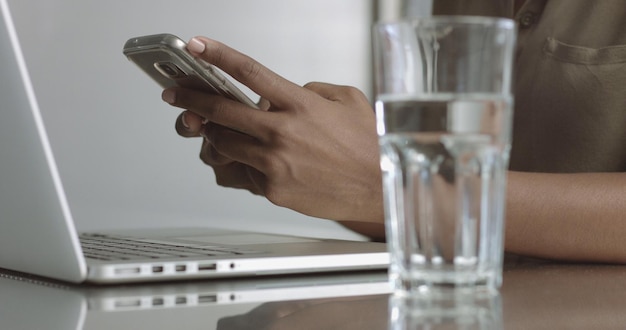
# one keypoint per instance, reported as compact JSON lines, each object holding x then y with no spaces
{"x":121,"y":161}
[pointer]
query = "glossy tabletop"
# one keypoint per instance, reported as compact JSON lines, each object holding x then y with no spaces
{"x":535,"y":295}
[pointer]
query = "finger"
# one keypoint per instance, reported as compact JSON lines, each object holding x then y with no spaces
{"x":234,"y":175}
{"x":325,"y":90}
{"x":223,"y":111}
{"x":189,"y":124}
{"x":210,"y":156}
{"x":267,"y":84}
{"x":229,"y":173}
{"x":236,"y":146}
{"x":264,"y":104}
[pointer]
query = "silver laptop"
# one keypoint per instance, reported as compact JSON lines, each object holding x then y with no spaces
{"x":38,"y":236}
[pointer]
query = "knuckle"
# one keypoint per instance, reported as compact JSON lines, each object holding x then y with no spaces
{"x":281,"y":134}
{"x":206,"y":159}
{"x":274,"y":194}
{"x":250,"y":71}
{"x":217,"y":55}
{"x":221,"y":181}
{"x":312,"y":85}
{"x":219,"y":108}
{"x":205,"y":155}
{"x":223,"y":177}
{"x":353,"y":93}
{"x":209,"y":156}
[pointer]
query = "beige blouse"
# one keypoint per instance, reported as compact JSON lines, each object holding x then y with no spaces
{"x":570,"y":83}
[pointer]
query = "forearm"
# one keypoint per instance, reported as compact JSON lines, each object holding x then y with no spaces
{"x":574,"y":217}
{"x":577,"y":217}
{"x":374,"y":230}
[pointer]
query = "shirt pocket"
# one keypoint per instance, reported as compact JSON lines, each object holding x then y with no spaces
{"x":571,"y":109}
{"x":561,"y":51}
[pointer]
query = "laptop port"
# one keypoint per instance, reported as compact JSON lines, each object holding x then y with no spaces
{"x":181,"y":300}
{"x":207,"y":298}
{"x":158,"y":302}
{"x":206,"y":267}
{"x":129,"y":303}
{"x":181,"y":268}
{"x":157,"y":269}
{"x":127,"y":270}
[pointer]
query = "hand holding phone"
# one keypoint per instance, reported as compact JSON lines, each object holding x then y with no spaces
{"x":164,"y":57}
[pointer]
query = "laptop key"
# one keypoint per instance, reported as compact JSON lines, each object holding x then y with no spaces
{"x":113,"y":248}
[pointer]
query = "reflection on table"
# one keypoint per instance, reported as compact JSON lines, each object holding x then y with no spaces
{"x":535,"y":295}
{"x":448,"y":310}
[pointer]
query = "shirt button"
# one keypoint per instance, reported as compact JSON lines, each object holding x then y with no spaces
{"x":527,"y":19}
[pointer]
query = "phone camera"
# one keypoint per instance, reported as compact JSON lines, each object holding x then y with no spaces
{"x":169,"y":70}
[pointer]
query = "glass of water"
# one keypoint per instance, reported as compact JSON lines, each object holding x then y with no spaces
{"x":444,"y":113}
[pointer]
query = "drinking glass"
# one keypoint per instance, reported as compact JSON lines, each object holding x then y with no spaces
{"x":444,"y":113}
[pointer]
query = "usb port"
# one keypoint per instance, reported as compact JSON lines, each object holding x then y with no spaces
{"x":158,"y":302}
{"x":157,"y":269}
{"x":207,"y":298}
{"x":206,"y":267}
{"x":181,"y":268}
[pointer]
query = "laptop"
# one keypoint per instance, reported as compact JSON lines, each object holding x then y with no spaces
{"x":32,"y":303}
{"x":38,"y":234}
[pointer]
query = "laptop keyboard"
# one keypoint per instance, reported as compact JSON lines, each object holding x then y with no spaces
{"x":110,"y":248}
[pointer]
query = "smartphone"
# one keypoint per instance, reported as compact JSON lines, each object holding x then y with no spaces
{"x":165,"y":58}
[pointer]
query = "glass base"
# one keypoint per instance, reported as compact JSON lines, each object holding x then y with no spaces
{"x":444,"y":282}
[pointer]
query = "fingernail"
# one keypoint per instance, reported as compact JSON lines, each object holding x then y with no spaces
{"x":169,"y":96}
{"x":183,"y":119}
{"x":196,"y":46}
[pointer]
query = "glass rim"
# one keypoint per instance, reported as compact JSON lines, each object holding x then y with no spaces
{"x":501,"y":22}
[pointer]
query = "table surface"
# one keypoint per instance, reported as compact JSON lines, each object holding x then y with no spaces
{"x":535,"y":295}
